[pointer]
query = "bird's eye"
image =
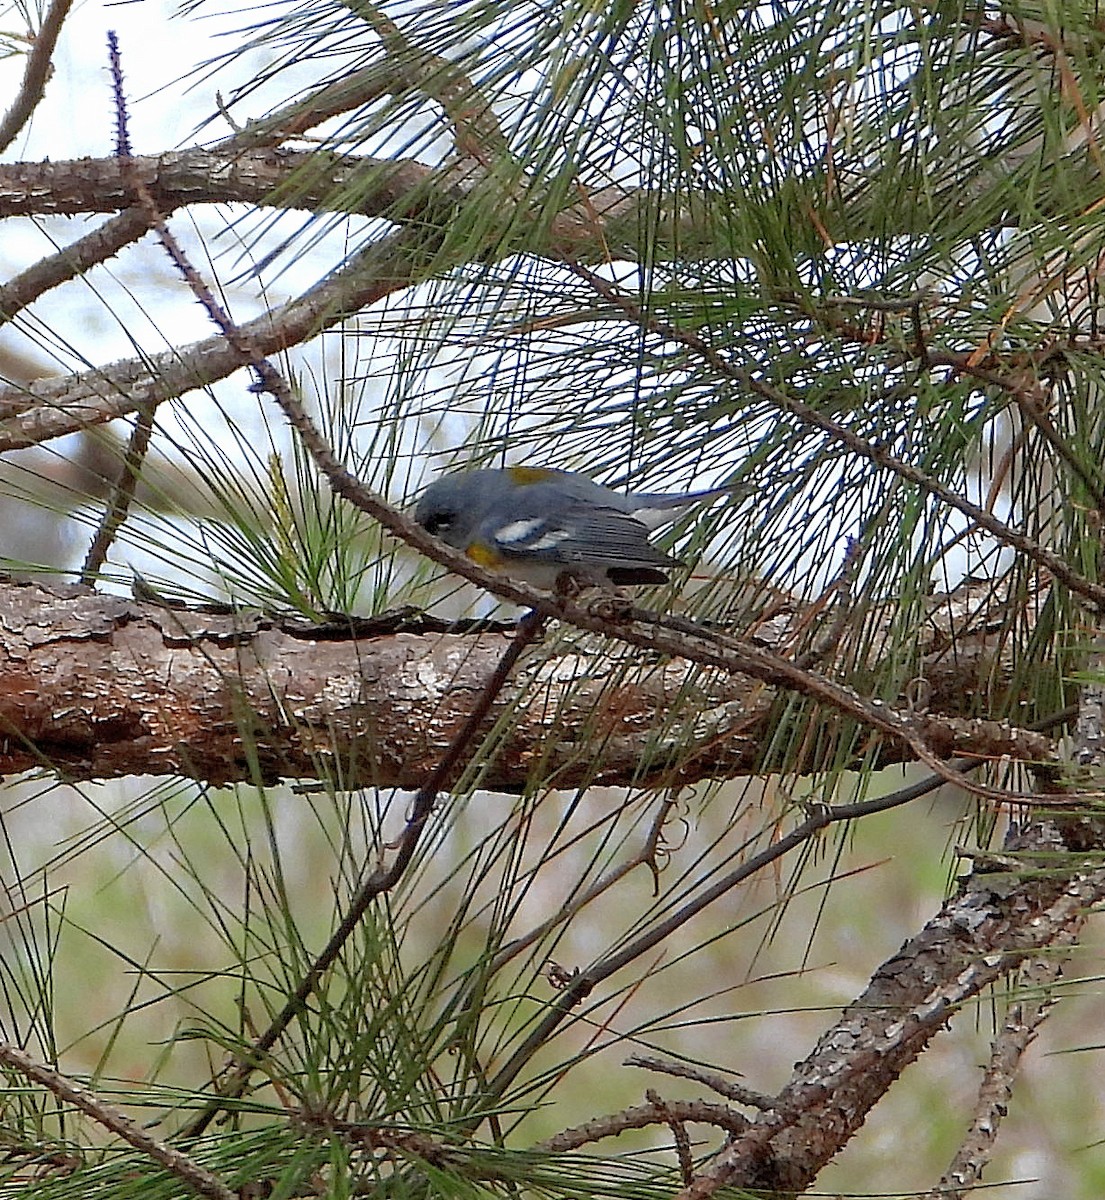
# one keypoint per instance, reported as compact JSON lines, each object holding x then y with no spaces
{"x":436,"y":522}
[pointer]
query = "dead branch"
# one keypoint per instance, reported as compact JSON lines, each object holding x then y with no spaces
{"x":704,"y":1112}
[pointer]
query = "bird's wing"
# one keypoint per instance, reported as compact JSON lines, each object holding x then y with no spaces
{"x":586,"y":534}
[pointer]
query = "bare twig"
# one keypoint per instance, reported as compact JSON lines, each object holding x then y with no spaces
{"x":194,"y":1177}
{"x":724,"y":1087}
{"x":645,"y":856}
{"x":122,"y":493}
{"x":679,"y":1133}
{"x":641,"y":1117}
{"x":359,"y":88}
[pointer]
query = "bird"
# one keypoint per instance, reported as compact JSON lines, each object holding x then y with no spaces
{"x":548,"y":527}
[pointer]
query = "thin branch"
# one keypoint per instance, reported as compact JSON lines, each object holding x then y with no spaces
{"x":122,"y":493}
{"x":874,"y":453}
{"x":356,"y":90}
{"x":1018,"y":1031}
{"x":724,"y":1087}
{"x":69,"y":262}
{"x":645,"y":856}
{"x":36,"y":74}
{"x":641,"y":1117}
{"x":678,"y":1131}
{"x":138,"y":444}
{"x":194,"y":1177}
{"x":530,"y":630}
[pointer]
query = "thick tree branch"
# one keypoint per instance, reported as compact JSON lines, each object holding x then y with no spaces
{"x":317,"y":180}
{"x":101,"y":687}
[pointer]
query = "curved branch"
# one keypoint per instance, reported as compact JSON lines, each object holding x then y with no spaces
{"x":712,"y":1079}
{"x":701,"y":1112}
{"x":36,"y":74}
{"x":356,"y":90}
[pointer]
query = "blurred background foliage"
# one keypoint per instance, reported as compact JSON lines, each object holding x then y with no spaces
{"x":884,"y":214}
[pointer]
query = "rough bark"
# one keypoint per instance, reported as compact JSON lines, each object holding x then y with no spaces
{"x":996,"y":922}
{"x":97,"y":687}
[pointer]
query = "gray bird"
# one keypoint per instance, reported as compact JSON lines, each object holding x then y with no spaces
{"x":538,"y":524}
